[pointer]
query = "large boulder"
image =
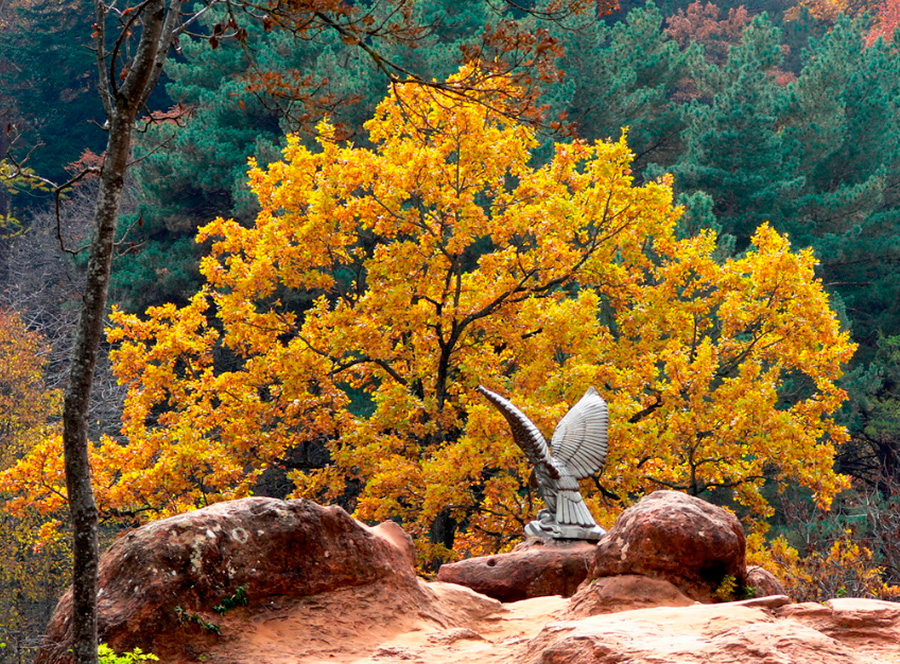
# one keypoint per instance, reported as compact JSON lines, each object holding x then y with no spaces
{"x":536,"y":568}
{"x":761,"y":582}
{"x":160,"y":583}
{"x":696,"y":546}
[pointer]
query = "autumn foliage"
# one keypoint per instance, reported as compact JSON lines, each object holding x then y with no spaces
{"x":28,"y":410}
{"x":378,"y":287}
{"x":25,"y":403}
{"x":887,"y":19}
{"x":700,"y":24}
{"x":847,"y":567}
{"x":829,"y":10}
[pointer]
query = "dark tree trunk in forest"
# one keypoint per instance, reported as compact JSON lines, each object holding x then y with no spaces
{"x":77,"y":400}
{"x":123,"y":99}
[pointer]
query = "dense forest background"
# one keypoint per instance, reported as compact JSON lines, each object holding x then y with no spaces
{"x":763,"y":111}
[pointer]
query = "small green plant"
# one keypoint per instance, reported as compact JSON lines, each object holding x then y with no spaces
{"x":109,"y":656}
{"x":727,"y":588}
{"x":239,"y":598}
{"x":196,"y":618}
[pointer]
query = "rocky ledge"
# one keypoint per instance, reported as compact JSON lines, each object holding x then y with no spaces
{"x":289,"y":582}
{"x":668,"y":543}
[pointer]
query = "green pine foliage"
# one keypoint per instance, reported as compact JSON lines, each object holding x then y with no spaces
{"x":842,"y":125}
{"x":57,"y":104}
{"x":624,"y":75}
{"x":734,"y":149}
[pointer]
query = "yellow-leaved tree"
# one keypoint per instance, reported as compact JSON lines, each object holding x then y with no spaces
{"x":378,"y":287}
{"x":29,"y":411}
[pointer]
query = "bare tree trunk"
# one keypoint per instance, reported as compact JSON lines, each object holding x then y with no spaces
{"x":82,"y":506}
{"x":123,"y":103}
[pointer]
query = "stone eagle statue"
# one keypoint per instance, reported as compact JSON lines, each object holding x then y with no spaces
{"x":578,"y":451}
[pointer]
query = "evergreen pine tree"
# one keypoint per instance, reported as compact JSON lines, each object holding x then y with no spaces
{"x":57,"y":105}
{"x":734,"y":149}
{"x":621,"y":75}
{"x":843,"y":127}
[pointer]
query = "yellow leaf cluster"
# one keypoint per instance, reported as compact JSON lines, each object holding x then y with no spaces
{"x":830,"y":10}
{"x":31,"y":554}
{"x":846,"y":569}
{"x":26,"y":405}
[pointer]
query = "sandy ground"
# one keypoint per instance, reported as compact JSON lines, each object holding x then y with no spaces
{"x":460,"y":627}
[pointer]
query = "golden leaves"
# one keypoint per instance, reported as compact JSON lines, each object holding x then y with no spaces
{"x":722,"y":339}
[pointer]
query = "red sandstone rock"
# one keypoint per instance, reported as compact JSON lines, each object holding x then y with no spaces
{"x":194,"y":561}
{"x":540,"y":630}
{"x":866,"y":625}
{"x":347,"y":593}
{"x":763,"y":582}
{"x":728,"y":633}
{"x":669,"y":535}
{"x":624,"y":593}
{"x":537,"y":569}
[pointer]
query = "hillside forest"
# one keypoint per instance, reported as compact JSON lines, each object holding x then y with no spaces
{"x":326,"y":242}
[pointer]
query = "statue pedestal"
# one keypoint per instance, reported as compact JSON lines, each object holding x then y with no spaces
{"x":569,"y":532}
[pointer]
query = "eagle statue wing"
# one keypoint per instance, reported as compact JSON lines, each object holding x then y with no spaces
{"x":580,"y":439}
{"x":526,"y":435}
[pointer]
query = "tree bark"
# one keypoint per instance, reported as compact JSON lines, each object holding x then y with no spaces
{"x":123,"y":104}
{"x":82,"y":507}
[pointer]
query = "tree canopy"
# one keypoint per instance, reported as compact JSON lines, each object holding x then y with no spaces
{"x":377,"y":287}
